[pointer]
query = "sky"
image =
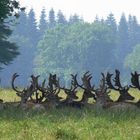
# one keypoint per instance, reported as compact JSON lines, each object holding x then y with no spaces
{"x":87,"y":9}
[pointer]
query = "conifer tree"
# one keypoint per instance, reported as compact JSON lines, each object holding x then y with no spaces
{"x":75,"y":19}
{"x":123,"y":37}
{"x":96,"y":20}
{"x":134,"y":31}
{"x":61,"y":18}
{"x":52,"y":20}
{"x":22,"y":63}
{"x":43,"y":25}
{"x":111,"y":22}
{"x":32,"y":28}
{"x":8,"y":50}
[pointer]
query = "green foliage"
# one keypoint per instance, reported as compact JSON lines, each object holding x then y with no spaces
{"x":26,"y":36}
{"x":43,"y":24}
{"x":132,"y":60}
{"x":52,"y":20}
{"x":8,"y":8}
{"x":75,"y":19}
{"x":74,"y":48}
{"x":8,"y":50}
{"x":111,"y":22}
{"x":61,"y":18}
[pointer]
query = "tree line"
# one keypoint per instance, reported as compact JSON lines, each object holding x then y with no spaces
{"x":64,"y":46}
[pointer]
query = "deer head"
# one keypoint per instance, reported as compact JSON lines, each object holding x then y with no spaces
{"x":26,"y":93}
{"x":89,"y":91}
{"x":71,"y":93}
{"x":102,"y":92}
{"x":135,"y":80}
{"x":52,"y":90}
{"x":123,"y":90}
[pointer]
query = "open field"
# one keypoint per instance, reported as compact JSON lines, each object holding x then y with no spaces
{"x":68,"y":123}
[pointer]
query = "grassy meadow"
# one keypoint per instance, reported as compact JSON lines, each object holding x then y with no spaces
{"x":68,"y":123}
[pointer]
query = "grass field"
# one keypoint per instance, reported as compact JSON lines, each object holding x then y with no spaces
{"x":68,"y":123}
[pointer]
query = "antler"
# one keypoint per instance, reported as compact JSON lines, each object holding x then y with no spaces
{"x":117,"y":79}
{"x":15,"y":75}
{"x":135,"y":80}
{"x":103,"y":86}
{"x":101,"y":92}
{"x":117,"y":86}
{"x":86,"y":81}
{"x":108,"y":81}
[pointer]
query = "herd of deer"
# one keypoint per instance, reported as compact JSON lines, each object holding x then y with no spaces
{"x":47,"y":95}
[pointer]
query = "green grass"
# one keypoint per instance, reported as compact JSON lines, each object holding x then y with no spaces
{"x":68,"y":123}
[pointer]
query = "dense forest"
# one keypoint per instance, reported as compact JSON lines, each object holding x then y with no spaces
{"x":65,"y":46}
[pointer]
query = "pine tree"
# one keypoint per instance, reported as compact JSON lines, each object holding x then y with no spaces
{"x":21,"y":25}
{"x":75,"y":19}
{"x":22,"y":63}
{"x":123,"y":47}
{"x":61,"y":18}
{"x":33,"y":34}
{"x":43,"y":25}
{"x":123,"y":36}
{"x":52,"y":21}
{"x":96,"y":20}
{"x":134,"y":31}
{"x":111,"y":22}
{"x":8,"y":50}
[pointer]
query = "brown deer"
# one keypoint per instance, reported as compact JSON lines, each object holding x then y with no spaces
{"x":123,"y":90}
{"x":26,"y":93}
{"x":71,"y":95}
{"x":89,"y":91}
{"x":102,"y":97}
{"x":135,"y":80}
{"x":135,"y":84}
{"x":51,"y":91}
{"x":103,"y":102}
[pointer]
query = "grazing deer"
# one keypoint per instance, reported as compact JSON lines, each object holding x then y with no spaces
{"x":102,"y":101}
{"x":123,"y":90}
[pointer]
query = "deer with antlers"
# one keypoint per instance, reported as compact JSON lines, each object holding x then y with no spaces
{"x":51,"y":91}
{"x":26,"y":93}
{"x":89,"y":91}
{"x":103,"y":101}
{"x":102,"y":94}
{"x":135,"y":83}
{"x":71,"y":95}
{"x":123,"y":90}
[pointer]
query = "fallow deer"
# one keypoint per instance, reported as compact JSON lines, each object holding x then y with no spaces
{"x":123,"y":90}
{"x":71,"y":95}
{"x":26,"y":93}
{"x":102,"y":101}
{"x":89,"y":91}
{"x":135,"y":84}
{"x":51,"y":91}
